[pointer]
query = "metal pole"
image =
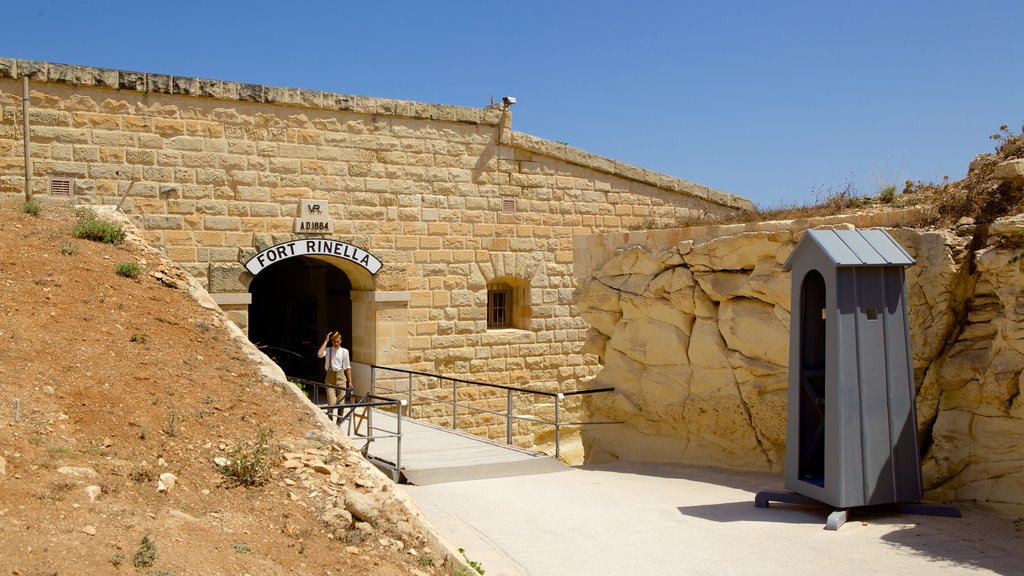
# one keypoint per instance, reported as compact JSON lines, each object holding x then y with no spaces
{"x":409,"y":413}
{"x":125,"y":195}
{"x":28,"y":156}
{"x":508,"y":420}
{"x":558,"y":446}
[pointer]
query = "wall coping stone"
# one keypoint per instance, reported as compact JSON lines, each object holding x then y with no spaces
{"x":628,"y":171}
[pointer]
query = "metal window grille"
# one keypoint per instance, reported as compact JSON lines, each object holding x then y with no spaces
{"x":499,"y":308}
{"x":508,"y":205}
{"x":62,"y":185}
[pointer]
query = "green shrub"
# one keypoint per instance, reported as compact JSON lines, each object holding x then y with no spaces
{"x":172,"y":422}
{"x":31,"y":208}
{"x":127,"y":269}
{"x":886,"y":194}
{"x":91,"y":227}
{"x":476,"y":566}
{"x":248,"y":464}
{"x":146,"y":554}
{"x":69,"y":249}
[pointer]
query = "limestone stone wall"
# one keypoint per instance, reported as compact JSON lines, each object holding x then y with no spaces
{"x":692,"y":328}
{"x":447,"y":197}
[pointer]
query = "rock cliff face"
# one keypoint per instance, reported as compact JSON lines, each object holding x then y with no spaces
{"x":692,"y":329}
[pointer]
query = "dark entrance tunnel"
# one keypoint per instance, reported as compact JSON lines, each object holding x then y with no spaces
{"x":294,"y":304}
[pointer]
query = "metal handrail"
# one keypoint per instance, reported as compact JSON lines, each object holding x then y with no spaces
{"x":508,"y":414}
{"x":347,"y":412}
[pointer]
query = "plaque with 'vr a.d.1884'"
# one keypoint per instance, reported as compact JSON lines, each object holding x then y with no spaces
{"x":314,"y":218}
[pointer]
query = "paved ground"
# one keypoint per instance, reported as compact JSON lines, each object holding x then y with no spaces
{"x":640,"y":519}
{"x":431,"y":454}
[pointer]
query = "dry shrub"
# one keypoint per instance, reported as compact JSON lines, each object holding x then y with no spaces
{"x":979,"y":195}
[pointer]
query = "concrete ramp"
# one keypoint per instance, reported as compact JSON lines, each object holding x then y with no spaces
{"x":435,"y":455}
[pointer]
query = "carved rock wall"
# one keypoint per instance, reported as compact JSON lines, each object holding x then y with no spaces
{"x":692,"y":330}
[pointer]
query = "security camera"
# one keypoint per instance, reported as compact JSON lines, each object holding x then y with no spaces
{"x":508,"y":101}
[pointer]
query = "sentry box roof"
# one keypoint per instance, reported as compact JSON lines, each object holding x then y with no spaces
{"x":854,"y":248}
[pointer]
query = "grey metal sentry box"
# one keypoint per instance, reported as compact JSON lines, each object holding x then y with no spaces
{"x":851,"y":437}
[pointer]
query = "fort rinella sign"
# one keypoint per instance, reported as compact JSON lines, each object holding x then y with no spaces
{"x":313,"y":217}
{"x":313,"y":247}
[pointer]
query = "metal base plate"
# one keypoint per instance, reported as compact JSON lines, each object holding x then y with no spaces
{"x":838,"y":517}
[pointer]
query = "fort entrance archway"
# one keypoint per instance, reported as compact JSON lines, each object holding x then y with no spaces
{"x":303,"y":288}
{"x":294,"y":304}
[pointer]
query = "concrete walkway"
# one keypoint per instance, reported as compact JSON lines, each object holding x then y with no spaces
{"x":658,"y":519}
{"x":432,"y":454}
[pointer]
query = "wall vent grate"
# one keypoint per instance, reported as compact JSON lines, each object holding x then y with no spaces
{"x":508,"y":205}
{"x":62,"y":185}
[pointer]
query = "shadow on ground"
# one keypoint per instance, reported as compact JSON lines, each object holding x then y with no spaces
{"x":980,"y":539}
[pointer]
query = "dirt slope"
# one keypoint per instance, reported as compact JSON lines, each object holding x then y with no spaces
{"x":108,"y":382}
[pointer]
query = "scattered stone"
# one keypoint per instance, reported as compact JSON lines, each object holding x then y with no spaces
{"x":363,"y":506}
{"x":339,"y":516}
{"x":93,"y":492}
{"x":221,"y":461}
{"x":3,"y":466}
{"x":166,"y":483}
{"x":77,"y":471}
{"x":353,"y":550}
{"x":89,"y":529}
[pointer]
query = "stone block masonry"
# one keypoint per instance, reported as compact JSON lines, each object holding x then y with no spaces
{"x":449,"y":198}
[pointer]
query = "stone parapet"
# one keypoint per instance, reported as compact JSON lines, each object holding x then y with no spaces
{"x":150,"y":83}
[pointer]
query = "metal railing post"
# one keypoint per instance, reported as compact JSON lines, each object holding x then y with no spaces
{"x":398,"y":446}
{"x":508,"y":420}
{"x":455,"y":404}
{"x":409,"y":396}
{"x":558,"y":439}
{"x":369,"y":409}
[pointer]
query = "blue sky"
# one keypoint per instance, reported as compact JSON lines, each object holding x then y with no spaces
{"x":780,"y":102}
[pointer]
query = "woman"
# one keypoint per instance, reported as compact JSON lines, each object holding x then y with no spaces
{"x":336,"y":360}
